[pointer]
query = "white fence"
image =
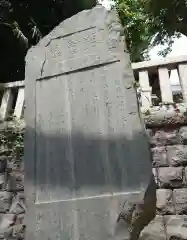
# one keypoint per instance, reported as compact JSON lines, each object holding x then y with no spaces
{"x":12,"y":99}
{"x":162,"y":69}
{"x":12,"y":94}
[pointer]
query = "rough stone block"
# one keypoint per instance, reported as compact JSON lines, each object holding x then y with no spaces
{"x":150,"y":135}
{"x":6,"y":225}
{"x":5,"y":200}
{"x":16,"y":181}
{"x":20,"y":219}
{"x":165,"y":201}
{"x":159,"y":157}
{"x":3,"y":164}
{"x":180,"y":200}
{"x":155,"y":230}
{"x":177,"y":155}
{"x":155,"y":174}
{"x":18,"y":206}
{"x":20,"y":196}
{"x":164,"y":138}
{"x":15,"y":165}
{"x":176,"y":227}
{"x":4,"y":151}
{"x":3,"y":180}
{"x":18,"y":231}
{"x":185,"y":173}
{"x":170,"y":177}
{"x":183,"y":135}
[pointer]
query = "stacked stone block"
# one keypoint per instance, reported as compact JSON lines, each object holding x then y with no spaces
{"x":169,"y":160}
{"x":12,"y":203}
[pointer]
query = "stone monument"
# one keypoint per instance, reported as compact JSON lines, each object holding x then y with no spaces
{"x":87,"y":158}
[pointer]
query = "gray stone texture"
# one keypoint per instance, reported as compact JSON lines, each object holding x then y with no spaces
{"x":168,"y":148}
{"x":159,"y":157}
{"x":185,"y":176}
{"x":165,"y":202}
{"x":155,"y":230}
{"x":5,"y":201}
{"x":177,"y":155}
{"x":180,"y":200}
{"x":155,"y":174}
{"x":183,"y":134}
{"x":169,"y":202}
{"x":165,"y":137}
{"x":170,"y":177}
{"x":176,"y":227}
{"x":16,"y":181}
{"x":12,"y":204}
{"x":87,"y":152}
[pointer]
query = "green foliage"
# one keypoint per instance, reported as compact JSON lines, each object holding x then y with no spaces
{"x":23,"y":23}
{"x":137,"y":27}
{"x":148,"y":23}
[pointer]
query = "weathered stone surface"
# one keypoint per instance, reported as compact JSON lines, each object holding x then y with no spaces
{"x":185,"y":173}
{"x":155,"y":174}
{"x":166,"y":115}
{"x":17,"y":207}
{"x":15,"y":166}
{"x":3,"y":180}
{"x":159,"y":157}
{"x":180,"y":200}
{"x":155,"y":230}
{"x":87,"y":152}
{"x":165,"y":201}
{"x":170,"y":177}
{"x":177,"y":155}
{"x":12,"y":206}
{"x":165,"y":137}
{"x":5,"y":200}
{"x":150,"y":134}
{"x":18,"y":231}
{"x":176,"y":227}
{"x":20,"y":219}
{"x":3,"y":163}
{"x":4,"y":151}
{"x":138,"y":213}
{"x":6,"y":225}
{"x":183,"y":135}
{"x":16,"y":181}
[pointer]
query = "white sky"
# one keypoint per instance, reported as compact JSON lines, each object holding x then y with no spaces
{"x":179,"y":47}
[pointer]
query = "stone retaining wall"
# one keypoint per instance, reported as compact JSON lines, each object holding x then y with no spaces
{"x":168,"y":138}
{"x":169,"y":151}
{"x":12,"y":205}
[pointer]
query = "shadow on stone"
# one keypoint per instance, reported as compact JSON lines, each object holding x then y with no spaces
{"x":87,"y":176}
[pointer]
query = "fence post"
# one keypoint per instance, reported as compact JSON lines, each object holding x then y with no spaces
{"x":182,"y":68}
{"x":165,"y":86}
{"x":6,"y":104}
{"x":18,"y":111}
{"x":145,"y":89}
